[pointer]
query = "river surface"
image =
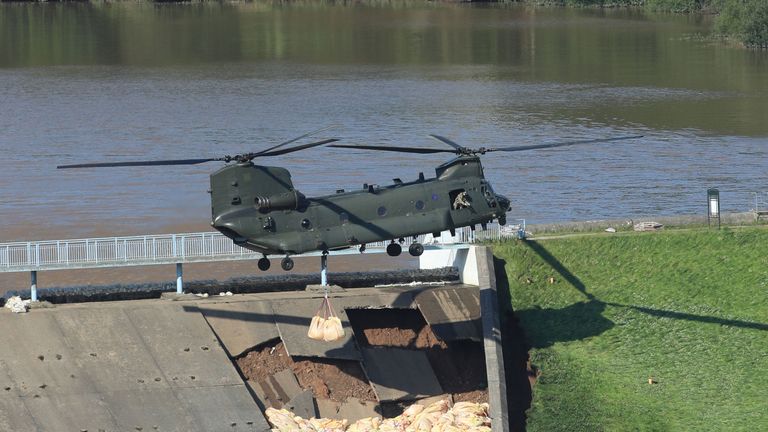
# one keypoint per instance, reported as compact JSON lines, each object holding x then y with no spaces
{"x":123,"y":81}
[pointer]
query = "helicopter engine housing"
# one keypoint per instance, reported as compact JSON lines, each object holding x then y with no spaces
{"x":240,"y":193}
{"x":283,"y":201}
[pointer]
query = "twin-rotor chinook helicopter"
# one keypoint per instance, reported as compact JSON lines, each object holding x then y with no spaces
{"x":259,"y":208}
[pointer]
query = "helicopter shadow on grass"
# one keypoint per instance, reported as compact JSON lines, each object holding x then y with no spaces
{"x":546,"y":326}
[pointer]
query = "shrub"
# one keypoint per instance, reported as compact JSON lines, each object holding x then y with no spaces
{"x":676,"y":5}
{"x":747,"y":20}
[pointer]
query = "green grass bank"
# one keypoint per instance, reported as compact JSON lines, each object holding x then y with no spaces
{"x":686,"y":309}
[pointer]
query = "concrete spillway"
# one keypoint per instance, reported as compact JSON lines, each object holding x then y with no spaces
{"x":121,"y":366}
{"x":161,"y":365}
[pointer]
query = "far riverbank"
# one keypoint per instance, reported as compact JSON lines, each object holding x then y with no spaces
{"x":745,"y":21}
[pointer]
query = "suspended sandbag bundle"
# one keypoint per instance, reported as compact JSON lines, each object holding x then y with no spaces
{"x":325,"y":325}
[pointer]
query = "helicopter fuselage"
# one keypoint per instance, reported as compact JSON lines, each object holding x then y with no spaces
{"x":258,"y":208}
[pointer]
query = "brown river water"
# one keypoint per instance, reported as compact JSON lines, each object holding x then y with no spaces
{"x":88,"y":82}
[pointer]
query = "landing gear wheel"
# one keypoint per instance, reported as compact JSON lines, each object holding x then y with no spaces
{"x":362,"y":248}
{"x":263,"y":264}
{"x":394,"y":249}
{"x":416,"y":249}
{"x":287,"y":264}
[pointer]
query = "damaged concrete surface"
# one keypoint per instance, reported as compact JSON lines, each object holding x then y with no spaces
{"x":242,"y":325}
{"x":166,"y":363}
{"x":295,"y":316}
{"x":400,"y":374}
{"x":385,"y":330}
{"x":452,"y":312}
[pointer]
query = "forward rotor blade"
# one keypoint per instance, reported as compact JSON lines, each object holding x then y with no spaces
{"x":447,"y":141}
{"x":393,"y":149}
{"x":262,"y":152}
{"x":139,"y":163}
{"x":297,"y":148}
{"x":562,"y":144}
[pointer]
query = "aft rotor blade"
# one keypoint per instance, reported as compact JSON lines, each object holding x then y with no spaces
{"x":284,"y":143}
{"x":562,"y":144}
{"x":447,"y":141}
{"x":139,"y":163}
{"x":393,"y":149}
{"x":297,"y":148}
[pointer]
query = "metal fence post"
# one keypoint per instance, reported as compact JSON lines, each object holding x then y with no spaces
{"x":33,"y":287}
{"x":179,"y":281}
{"x":324,"y":269}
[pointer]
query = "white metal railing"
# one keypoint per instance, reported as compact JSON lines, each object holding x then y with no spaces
{"x":116,"y":251}
{"x":164,"y":249}
{"x":760,"y":202}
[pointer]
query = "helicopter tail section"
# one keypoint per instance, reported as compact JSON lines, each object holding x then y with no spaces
{"x":242,"y":191}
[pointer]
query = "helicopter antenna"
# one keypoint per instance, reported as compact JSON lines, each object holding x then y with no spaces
{"x":241,"y":158}
{"x":459,"y":150}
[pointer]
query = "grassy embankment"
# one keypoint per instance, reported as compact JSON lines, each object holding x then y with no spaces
{"x":686,"y":309}
{"x":742,"y":20}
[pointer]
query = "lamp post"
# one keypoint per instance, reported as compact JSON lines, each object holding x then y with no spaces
{"x":713,"y":206}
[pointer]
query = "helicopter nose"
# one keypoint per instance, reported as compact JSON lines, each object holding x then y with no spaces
{"x":226,"y":228}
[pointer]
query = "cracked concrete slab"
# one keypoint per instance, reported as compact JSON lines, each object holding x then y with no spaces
{"x":400,"y":374}
{"x":293,"y":318}
{"x":241,"y":325}
{"x":278,"y":389}
{"x":452,"y":312}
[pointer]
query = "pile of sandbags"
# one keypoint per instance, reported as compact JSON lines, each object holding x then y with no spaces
{"x":17,"y":305}
{"x":285,"y":421}
{"x":325,"y":325}
{"x":437,"y":417}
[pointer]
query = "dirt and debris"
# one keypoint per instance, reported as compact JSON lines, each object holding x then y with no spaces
{"x":459,"y":366}
{"x":648,"y":226}
{"x":327,"y":378}
{"x":400,"y":328}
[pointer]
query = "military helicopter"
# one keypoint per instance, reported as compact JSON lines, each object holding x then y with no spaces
{"x":259,"y":208}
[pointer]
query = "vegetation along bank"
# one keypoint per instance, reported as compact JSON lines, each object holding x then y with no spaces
{"x":644,"y":331}
{"x":745,"y":21}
